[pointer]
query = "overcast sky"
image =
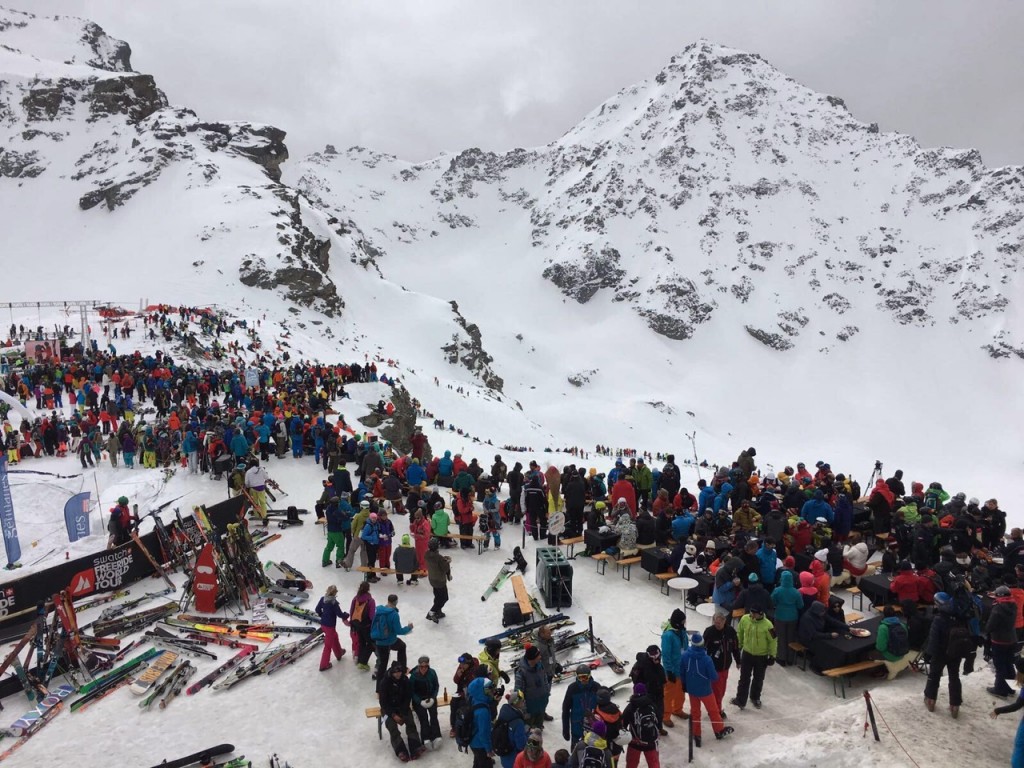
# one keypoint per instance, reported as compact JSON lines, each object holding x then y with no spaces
{"x":419,"y":78}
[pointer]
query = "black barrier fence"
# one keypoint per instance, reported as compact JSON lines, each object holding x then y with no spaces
{"x":105,"y":571}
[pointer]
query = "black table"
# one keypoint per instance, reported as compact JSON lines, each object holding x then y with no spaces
{"x":876,"y":588}
{"x":829,"y":653}
{"x":655,"y":560}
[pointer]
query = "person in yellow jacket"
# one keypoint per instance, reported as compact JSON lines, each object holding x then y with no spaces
{"x":758,"y":643}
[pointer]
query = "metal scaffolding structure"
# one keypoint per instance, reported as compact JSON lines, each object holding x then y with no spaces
{"x":81,"y":305}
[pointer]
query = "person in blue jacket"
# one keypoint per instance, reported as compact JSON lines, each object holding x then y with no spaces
{"x":480,"y":698}
{"x":682,"y":525}
{"x":386,"y":631}
{"x":239,"y":446}
{"x":722,"y":499}
{"x":446,"y":467}
{"x":190,"y":447}
{"x":415,"y":474}
{"x":580,"y":700}
{"x":673,"y":642}
{"x":817,"y":507}
{"x":699,"y":673}
{"x":706,"y":497}
{"x":263,"y":432}
{"x":768,"y":561}
{"x":512,"y":713}
{"x":370,"y":534}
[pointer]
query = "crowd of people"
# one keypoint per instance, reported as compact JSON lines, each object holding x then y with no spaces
{"x":738,"y":526}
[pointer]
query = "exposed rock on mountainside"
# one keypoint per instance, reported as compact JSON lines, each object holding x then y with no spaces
{"x":469,"y":352}
{"x":719,"y":184}
{"x":76,"y":123}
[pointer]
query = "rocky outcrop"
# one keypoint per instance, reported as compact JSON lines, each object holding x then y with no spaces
{"x":467,"y":350}
{"x":403,"y":421}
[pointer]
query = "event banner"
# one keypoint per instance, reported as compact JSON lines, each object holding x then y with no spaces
{"x":105,"y":571}
{"x":76,"y":516}
{"x":7,"y":523}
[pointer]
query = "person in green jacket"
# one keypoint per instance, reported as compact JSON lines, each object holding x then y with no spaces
{"x":757,"y":642}
{"x":644,"y":483}
{"x":439,"y":523}
{"x":895,"y":663}
{"x":357,"y":543}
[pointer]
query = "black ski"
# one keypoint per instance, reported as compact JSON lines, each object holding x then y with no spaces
{"x":558,"y":617}
{"x":195,"y":757}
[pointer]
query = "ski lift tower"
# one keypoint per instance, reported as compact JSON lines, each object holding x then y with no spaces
{"x":66,"y":305}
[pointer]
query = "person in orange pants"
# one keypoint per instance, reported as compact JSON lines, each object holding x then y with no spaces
{"x":673,"y":643}
{"x":723,"y":646}
{"x":699,"y":673}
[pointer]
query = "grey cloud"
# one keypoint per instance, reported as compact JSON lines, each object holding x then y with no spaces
{"x":419,"y":78}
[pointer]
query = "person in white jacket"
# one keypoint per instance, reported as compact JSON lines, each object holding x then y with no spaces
{"x":855,"y":556}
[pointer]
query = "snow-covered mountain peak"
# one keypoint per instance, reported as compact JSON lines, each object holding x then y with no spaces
{"x":53,"y":44}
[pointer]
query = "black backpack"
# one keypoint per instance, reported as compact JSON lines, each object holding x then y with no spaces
{"x":465,"y":725}
{"x":591,"y":757}
{"x":501,"y":736}
{"x":899,"y":640}
{"x":646,"y":727}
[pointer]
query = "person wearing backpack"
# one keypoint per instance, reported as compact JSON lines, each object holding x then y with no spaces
{"x":385,"y":631}
{"x":465,"y":673}
{"x":641,"y":719}
{"x":480,"y":695}
{"x":592,"y":750}
{"x":394,"y":693}
{"x":892,"y":644}
{"x":945,"y":648}
{"x":361,"y":614}
{"x":508,"y":735}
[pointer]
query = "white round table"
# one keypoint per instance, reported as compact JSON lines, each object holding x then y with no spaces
{"x":682,"y":583}
{"x":706,"y":609}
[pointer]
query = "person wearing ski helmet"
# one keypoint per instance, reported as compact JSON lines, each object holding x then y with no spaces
{"x":122,"y":523}
{"x":649,"y":671}
{"x":580,"y":700}
{"x":439,"y":573}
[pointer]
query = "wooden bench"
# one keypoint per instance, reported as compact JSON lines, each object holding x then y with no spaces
{"x":664,"y":579}
{"x":601,"y":560}
{"x":388,"y":571}
{"x":852,"y":617}
{"x":522,"y":596}
{"x":842,"y":675}
{"x":570,"y":546}
{"x":801,"y":653}
{"x":375,"y":712}
{"x":626,"y":564}
{"x":856,"y":595}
